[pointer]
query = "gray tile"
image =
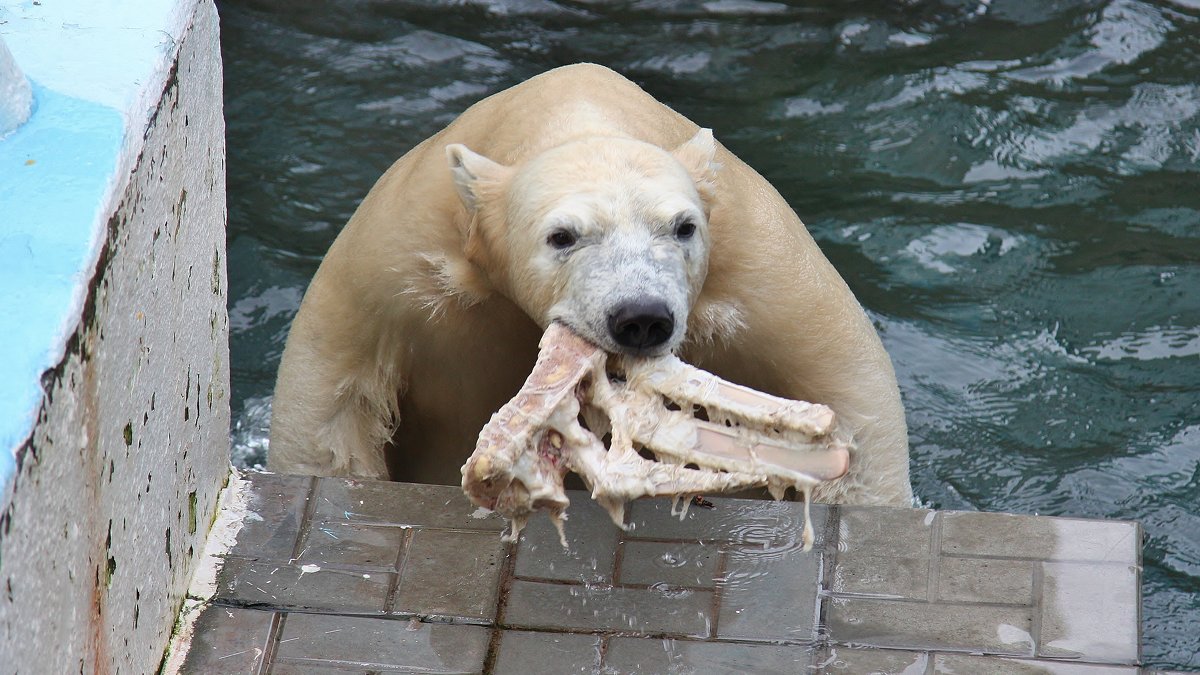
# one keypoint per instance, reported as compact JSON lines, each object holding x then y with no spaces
{"x":641,"y":655}
{"x":742,"y":521}
{"x":857,"y":661}
{"x":668,"y":562}
{"x":229,"y":640}
{"x":885,"y":531}
{"x":529,"y":653}
{"x":1090,"y":611}
{"x":769,"y":595}
{"x":591,"y":545}
{"x":597,"y":607}
{"x":879,"y":576}
{"x":985,"y":580}
{"x":355,"y":546}
{"x":407,"y":504}
{"x":448,"y":573}
{"x":274,"y":512}
{"x":918,"y":625}
{"x":309,"y":587}
{"x":1040,"y":537}
{"x":366,"y":643}
{"x":955,"y":664}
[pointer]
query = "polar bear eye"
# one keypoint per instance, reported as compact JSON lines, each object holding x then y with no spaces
{"x":684,"y":229}
{"x":561,"y":239}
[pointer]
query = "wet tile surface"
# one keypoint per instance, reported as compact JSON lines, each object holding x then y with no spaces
{"x":338,"y":576}
{"x":532,"y":653}
{"x":669,"y":563}
{"x":913,"y":625}
{"x":591,"y":546}
{"x":309,"y":587}
{"x":769,"y":596}
{"x":609,"y":608}
{"x":230,"y":639}
{"x":641,"y":655}
{"x":451,"y":573}
{"x":371,"y":644}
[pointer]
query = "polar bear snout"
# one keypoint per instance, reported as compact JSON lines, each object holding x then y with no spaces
{"x":641,"y":325}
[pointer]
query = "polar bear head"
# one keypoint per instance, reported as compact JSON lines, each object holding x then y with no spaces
{"x":607,"y":235}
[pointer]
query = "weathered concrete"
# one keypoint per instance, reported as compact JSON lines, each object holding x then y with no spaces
{"x":115,"y":490}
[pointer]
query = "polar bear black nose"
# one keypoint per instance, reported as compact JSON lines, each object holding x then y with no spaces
{"x":641,"y":325}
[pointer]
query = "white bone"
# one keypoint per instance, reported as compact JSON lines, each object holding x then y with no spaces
{"x":529,"y":445}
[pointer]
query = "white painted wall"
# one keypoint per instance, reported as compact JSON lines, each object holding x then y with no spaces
{"x":114,"y":410}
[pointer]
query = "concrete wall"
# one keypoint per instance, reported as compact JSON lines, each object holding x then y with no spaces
{"x":114,"y":481}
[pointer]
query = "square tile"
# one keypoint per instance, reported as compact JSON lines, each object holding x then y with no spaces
{"x":985,"y":580}
{"x":451,"y":573}
{"x":878,"y":576}
{"x":591,"y":545}
{"x":274,"y":513}
{"x":670,"y":563}
{"x":316,"y":640}
{"x":857,"y":661}
{"x":309,"y":587}
{"x":883,"y":531}
{"x":352,"y":546}
{"x":919,"y":625}
{"x":400,"y":504}
{"x":769,"y":594}
{"x":608,"y":608}
{"x":529,"y":653}
{"x":642,"y":655}
{"x":1040,"y":537}
{"x":229,"y":640}
{"x":1090,"y":612}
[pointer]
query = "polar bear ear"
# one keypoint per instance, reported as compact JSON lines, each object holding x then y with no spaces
{"x":473,"y":174}
{"x":698,"y":156}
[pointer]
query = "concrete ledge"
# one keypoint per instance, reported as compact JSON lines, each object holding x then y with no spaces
{"x":327,"y":573}
{"x":115,"y":413}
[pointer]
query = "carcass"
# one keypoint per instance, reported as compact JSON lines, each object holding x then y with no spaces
{"x":583,"y":411}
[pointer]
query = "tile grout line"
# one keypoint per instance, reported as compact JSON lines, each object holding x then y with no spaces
{"x":495,"y":636}
{"x":718,"y":591}
{"x":602,"y":651}
{"x":401,"y":561}
{"x":832,"y":539}
{"x":618,"y":558}
{"x":503,"y":588}
{"x":1035,"y":622}
{"x":306,"y":518}
{"x":272,"y":647}
{"x":935,"y":557}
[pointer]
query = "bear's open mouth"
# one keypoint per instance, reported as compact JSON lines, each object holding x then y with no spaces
{"x":581,"y":411}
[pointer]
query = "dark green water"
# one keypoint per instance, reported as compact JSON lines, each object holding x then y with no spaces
{"x":1011,"y":188}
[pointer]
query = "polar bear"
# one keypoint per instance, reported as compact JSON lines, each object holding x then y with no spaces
{"x":576,"y":197}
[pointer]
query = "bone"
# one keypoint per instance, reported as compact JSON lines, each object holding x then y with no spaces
{"x":530,"y":444}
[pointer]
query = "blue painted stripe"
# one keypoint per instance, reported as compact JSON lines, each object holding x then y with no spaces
{"x":54,"y":176}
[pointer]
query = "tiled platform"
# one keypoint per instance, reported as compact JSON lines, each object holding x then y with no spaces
{"x":336,"y":576}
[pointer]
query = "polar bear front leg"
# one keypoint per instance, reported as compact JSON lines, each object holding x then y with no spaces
{"x":336,"y":402}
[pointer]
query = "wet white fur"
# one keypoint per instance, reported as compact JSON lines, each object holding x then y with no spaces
{"x":425,"y":315}
{"x":622,"y":199}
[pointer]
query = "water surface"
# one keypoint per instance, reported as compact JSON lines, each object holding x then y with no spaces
{"x":1011,"y":188}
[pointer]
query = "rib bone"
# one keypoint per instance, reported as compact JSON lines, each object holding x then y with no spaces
{"x":750,"y":439}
